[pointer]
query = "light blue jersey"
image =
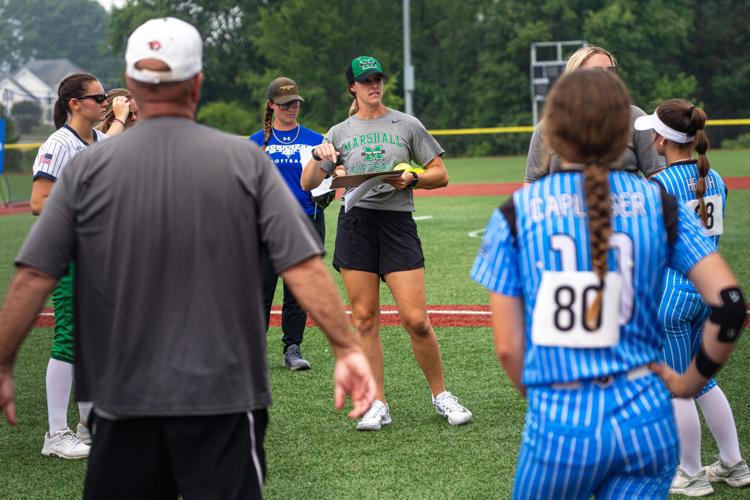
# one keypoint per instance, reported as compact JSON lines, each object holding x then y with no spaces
{"x":598,"y":421}
{"x":550,"y":237}
{"x":682,"y":311}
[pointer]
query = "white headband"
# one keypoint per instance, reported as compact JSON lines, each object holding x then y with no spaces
{"x":652,"y":122}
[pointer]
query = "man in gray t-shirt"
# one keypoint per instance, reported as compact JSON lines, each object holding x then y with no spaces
{"x":165,"y":225}
{"x":639,"y":156}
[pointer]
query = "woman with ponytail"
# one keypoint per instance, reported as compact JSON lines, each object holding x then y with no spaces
{"x":678,"y":133}
{"x":377,"y":238}
{"x":81,"y":104}
{"x":286,"y":142}
{"x":574,"y":264}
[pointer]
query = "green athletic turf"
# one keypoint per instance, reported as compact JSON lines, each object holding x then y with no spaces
{"x":314,"y":452}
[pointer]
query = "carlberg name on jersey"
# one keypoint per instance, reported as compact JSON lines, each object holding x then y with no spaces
{"x":625,"y":204}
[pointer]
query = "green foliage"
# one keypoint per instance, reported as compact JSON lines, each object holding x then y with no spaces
{"x":27,"y":115}
{"x":471,"y":57}
{"x":741,"y":142}
{"x":227,"y":116}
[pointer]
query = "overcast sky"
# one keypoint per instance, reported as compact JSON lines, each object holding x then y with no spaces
{"x":109,"y":3}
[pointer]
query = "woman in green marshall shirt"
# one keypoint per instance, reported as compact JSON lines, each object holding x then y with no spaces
{"x":377,"y":238}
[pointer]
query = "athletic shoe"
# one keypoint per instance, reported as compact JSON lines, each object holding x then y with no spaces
{"x":691,"y":486}
{"x":64,"y":444}
{"x":447,"y":405}
{"x":376,"y":417}
{"x":83,"y":434}
{"x":736,"y":476}
{"x":293,"y":359}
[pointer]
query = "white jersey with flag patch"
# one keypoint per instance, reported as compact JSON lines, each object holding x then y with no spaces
{"x":59,"y":148}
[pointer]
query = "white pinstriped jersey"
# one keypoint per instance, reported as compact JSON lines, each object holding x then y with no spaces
{"x":58,"y":150}
{"x":543,"y":255}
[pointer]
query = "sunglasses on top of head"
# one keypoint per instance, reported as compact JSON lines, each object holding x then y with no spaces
{"x":97,"y":98}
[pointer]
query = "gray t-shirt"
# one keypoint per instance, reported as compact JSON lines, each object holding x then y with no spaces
{"x":640,"y":155}
{"x":165,"y":222}
{"x":378,"y":145}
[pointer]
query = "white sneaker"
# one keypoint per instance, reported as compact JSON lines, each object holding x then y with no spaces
{"x":64,"y":444}
{"x":736,"y":476}
{"x":376,"y":417}
{"x":691,"y":486}
{"x":447,"y":405}
{"x":83,"y":434}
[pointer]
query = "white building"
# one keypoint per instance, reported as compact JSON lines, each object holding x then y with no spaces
{"x":37,"y":81}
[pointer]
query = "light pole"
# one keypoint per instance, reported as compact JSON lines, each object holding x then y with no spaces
{"x":408,"y":68}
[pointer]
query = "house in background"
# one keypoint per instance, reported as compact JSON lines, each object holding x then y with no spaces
{"x":37,"y":81}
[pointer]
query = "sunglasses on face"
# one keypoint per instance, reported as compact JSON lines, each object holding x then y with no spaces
{"x":290,"y":105}
{"x":97,"y":98}
{"x":613,"y":69}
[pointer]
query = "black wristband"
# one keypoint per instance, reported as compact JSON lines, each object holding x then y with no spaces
{"x":705,"y":365}
{"x":315,"y":155}
{"x":415,"y":179}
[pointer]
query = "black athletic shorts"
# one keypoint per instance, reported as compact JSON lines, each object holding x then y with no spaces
{"x":377,"y":241}
{"x":204,"y":457}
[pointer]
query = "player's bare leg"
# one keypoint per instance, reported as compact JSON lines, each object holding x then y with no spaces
{"x":408,"y":290}
{"x":364,"y":296}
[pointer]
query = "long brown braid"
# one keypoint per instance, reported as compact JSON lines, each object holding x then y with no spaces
{"x":267,"y":124}
{"x":682,"y":116}
{"x":587,"y":121}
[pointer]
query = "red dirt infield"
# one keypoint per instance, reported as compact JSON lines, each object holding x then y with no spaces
{"x":466,"y":316}
{"x":491,"y":189}
{"x":443,"y":315}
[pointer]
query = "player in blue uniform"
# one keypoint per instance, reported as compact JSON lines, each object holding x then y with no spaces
{"x":678,"y":130}
{"x":284,"y":140}
{"x":574,"y":265}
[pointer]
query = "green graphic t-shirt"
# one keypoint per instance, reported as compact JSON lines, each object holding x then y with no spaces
{"x":379,"y":145}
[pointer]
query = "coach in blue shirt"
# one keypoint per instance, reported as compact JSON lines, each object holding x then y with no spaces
{"x":283,"y":139}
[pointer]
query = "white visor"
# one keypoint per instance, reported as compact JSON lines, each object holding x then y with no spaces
{"x":652,"y":122}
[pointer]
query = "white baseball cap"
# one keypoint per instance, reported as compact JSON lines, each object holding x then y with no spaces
{"x":169,"y":40}
{"x":653,"y":122}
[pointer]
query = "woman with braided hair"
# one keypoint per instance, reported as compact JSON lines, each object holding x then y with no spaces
{"x":678,"y":131}
{"x":284,"y":139}
{"x":574,"y":264}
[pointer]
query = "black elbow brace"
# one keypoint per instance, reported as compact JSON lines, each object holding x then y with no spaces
{"x":730,"y":316}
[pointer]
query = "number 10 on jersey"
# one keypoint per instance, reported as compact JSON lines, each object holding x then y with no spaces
{"x":565,"y":296}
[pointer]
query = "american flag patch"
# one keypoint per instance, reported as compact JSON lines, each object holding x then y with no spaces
{"x":46,"y":159}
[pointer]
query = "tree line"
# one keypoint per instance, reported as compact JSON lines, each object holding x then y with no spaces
{"x":471,"y":57}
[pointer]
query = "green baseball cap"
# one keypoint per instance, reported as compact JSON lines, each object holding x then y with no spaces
{"x":283,"y":90}
{"x":362,"y":68}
